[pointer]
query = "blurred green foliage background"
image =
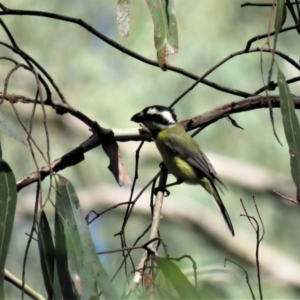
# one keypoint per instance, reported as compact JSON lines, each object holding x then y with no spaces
{"x":110,"y":87}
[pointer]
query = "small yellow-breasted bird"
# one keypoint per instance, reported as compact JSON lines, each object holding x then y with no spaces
{"x":181,"y":154}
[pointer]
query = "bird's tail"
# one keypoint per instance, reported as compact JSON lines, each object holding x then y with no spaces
{"x":211,"y":188}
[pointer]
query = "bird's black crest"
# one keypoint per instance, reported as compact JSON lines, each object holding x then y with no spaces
{"x":159,"y":116}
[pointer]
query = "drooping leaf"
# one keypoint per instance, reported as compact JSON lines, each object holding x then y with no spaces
{"x":46,"y":250}
{"x":123,"y":17}
{"x":291,"y":128}
{"x":116,"y":165}
{"x":47,"y":258}
{"x":280,"y":18}
{"x":162,"y":287}
{"x":61,"y":258}
{"x":83,"y":263}
{"x":179,"y":281}
{"x":9,"y":129}
{"x":165,"y":29}
{"x":8,"y":201}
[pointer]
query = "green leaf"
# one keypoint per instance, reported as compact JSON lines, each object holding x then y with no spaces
{"x":291,"y":128}
{"x":8,"y":201}
{"x":47,"y":258}
{"x":179,"y":281}
{"x":46,"y":250}
{"x":162,"y":287}
{"x":9,"y":129}
{"x":165,"y":29}
{"x":280,"y":18}
{"x":61,"y":259}
{"x":123,"y":15}
{"x":84,"y":265}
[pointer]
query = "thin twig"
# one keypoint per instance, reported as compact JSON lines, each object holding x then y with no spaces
{"x":98,"y":215}
{"x":193,"y":263}
{"x":19,"y":284}
{"x":246,"y":274}
{"x":33,"y":229}
{"x":258,"y":241}
{"x":256,"y":4}
{"x":153,"y":233}
{"x":286,"y":198}
{"x":144,"y":246}
{"x":262,"y":36}
{"x":290,"y":7}
{"x":129,"y":210}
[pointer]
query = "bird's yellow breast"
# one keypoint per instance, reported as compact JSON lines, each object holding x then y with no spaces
{"x":179,"y":167}
{"x":182,"y":169}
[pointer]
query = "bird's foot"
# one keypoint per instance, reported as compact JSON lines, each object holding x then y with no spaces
{"x":161,"y":189}
{"x":163,"y":166}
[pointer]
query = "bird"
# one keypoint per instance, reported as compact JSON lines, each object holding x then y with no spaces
{"x":180,"y":153}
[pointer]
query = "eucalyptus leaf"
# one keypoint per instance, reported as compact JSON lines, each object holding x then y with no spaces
{"x":7,"y":127}
{"x":47,"y":258}
{"x":8,"y":201}
{"x":165,"y":29}
{"x":291,"y":128}
{"x":123,"y":17}
{"x":61,"y":258}
{"x":84,"y":265}
{"x":179,"y":281}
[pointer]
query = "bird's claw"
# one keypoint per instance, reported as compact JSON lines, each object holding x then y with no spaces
{"x":162,"y":189}
{"x":166,"y":193}
{"x":162,"y":165}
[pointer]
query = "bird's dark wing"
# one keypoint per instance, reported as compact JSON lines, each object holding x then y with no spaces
{"x":214,"y":173}
{"x":193,"y":155}
{"x":196,"y":158}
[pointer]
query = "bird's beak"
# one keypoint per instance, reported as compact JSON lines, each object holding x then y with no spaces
{"x":138,"y":118}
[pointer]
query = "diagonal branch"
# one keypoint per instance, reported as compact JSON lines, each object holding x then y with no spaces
{"x":77,"y":154}
{"x":138,"y":275}
{"x":89,"y":28}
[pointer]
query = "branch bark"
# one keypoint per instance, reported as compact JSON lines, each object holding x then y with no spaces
{"x":77,"y":154}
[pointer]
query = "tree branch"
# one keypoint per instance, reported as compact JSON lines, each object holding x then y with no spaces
{"x":89,"y":28}
{"x":138,"y":275}
{"x":18,"y":283}
{"x":77,"y":154}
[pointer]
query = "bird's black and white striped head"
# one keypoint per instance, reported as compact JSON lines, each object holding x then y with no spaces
{"x":156,"y":118}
